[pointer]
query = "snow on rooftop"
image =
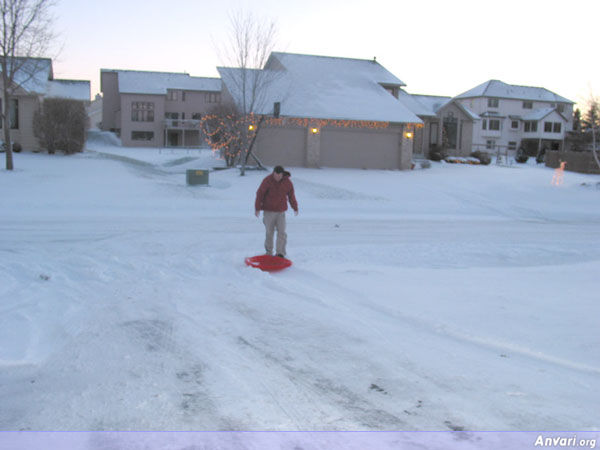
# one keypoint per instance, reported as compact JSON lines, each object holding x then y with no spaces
{"x":538,"y":114}
{"x":32,"y":74}
{"x":141,"y":82}
{"x":430,"y":103}
{"x":325,"y":88}
{"x":497,"y":88}
{"x":71,"y":89}
{"x":35,"y":76}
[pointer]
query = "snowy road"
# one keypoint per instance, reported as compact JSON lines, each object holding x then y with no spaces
{"x":415,"y":301}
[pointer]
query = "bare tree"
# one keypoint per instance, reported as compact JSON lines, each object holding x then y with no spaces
{"x":591,"y":121}
{"x":25,"y":34}
{"x":251,"y":41}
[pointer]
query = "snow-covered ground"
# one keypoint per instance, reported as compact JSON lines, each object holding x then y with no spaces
{"x":451,"y":298}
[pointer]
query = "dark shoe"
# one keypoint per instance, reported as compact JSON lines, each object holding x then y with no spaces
{"x":280,"y":255}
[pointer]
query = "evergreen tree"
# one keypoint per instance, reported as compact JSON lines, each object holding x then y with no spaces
{"x":577,"y":120}
{"x":591,"y":117}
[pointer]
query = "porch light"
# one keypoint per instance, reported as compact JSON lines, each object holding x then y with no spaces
{"x":408,"y":135}
{"x":314,"y":130}
{"x":251,"y":127}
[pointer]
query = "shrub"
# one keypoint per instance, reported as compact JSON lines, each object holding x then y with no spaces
{"x":483,"y":157}
{"x":521,"y":157}
{"x":60,"y":124}
{"x":16,"y":147}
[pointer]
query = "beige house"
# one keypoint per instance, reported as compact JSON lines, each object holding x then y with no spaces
{"x":156,"y":109}
{"x":34,"y":81}
{"x":326,"y":112}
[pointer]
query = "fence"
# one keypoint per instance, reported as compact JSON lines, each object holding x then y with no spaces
{"x":582,"y":162}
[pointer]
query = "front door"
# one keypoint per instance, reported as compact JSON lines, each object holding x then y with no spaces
{"x":173,"y":139}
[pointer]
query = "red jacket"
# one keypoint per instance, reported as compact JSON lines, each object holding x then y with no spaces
{"x":273,"y":195}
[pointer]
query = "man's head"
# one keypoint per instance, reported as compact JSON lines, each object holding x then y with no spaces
{"x":279,"y":172}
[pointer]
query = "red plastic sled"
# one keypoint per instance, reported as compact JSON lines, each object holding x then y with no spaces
{"x":268,"y":263}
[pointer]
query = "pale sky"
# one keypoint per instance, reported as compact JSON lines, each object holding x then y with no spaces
{"x":436,"y":47}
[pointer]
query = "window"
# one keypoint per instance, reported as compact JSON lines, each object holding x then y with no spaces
{"x":512,"y":145}
{"x":494,"y":124}
{"x":196,"y":116}
{"x":212,"y":97}
{"x":172,"y":119}
{"x":484,"y":124}
{"x":514,"y":124}
{"x":450,"y":130}
{"x":142,"y":112}
{"x":547,"y":127}
{"x":490,"y":144}
{"x":530,"y":126}
{"x":560,"y":108}
{"x":527,"y":105}
{"x":142,"y":135}
{"x":493,"y":102}
{"x":183,"y":96}
{"x":13,"y":114}
{"x":433,"y":133}
{"x":172,"y":95}
{"x":557,"y":127}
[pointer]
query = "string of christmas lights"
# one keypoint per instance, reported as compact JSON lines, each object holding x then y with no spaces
{"x":231,"y":133}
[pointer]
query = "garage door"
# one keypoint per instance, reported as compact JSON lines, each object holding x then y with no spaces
{"x":284,"y":146}
{"x":360,"y":148}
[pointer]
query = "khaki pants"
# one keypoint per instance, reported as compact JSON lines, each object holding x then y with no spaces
{"x":275,"y":221}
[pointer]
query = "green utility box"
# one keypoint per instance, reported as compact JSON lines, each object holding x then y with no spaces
{"x":194,"y":177}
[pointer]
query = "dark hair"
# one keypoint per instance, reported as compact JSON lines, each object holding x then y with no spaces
{"x":280,"y":169}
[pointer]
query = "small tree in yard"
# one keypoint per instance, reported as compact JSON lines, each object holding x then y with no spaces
{"x":25,"y":34}
{"x":61,"y":125}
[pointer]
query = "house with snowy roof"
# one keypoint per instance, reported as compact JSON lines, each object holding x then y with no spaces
{"x":33,"y":82}
{"x":156,"y":109}
{"x":491,"y":117}
{"x":325,"y":111}
{"x":509,"y":117}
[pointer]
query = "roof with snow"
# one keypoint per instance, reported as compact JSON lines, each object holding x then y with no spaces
{"x":321,"y":87}
{"x":157,"y":83}
{"x":430,"y":104}
{"x":32,"y":74}
{"x":35,"y":76}
{"x":499,"y":89}
{"x":70,"y":89}
{"x":539,"y":114}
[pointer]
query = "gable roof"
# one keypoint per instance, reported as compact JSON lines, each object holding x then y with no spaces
{"x":35,"y":76}
{"x":539,"y":114}
{"x":32,"y":74}
{"x":499,"y":89}
{"x":157,"y":83}
{"x":430,"y":104}
{"x":324,"y":87}
{"x":465,"y":110}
